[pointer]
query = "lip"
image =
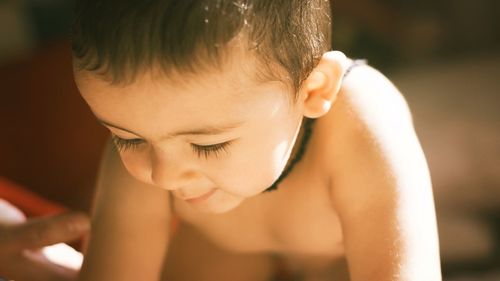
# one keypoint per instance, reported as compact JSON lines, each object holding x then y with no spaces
{"x":203,"y":197}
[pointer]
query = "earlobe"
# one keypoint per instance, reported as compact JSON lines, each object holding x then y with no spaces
{"x":317,"y":108}
{"x":321,"y":87}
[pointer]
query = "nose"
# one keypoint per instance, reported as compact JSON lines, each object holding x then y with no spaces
{"x":170,"y":173}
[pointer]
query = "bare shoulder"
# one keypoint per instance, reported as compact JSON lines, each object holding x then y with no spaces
{"x":371,"y":141}
{"x":369,"y":117}
{"x":379,"y":181}
{"x":125,"y":212}
{"x":369,"y":100}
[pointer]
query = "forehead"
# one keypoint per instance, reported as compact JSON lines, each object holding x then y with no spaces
{"x":237,"y":70}
{"x":235,"y":63}
{"x":238,"y":79}
{"x":232,"y":92}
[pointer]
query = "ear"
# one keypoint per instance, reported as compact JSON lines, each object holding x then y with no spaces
{"x":320,"y":89}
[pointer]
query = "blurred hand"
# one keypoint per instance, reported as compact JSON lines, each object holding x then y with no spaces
{"x":24,"y":251}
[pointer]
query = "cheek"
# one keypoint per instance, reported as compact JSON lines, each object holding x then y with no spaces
{"x":273,"y":161}
{"x":278,"y":158}
{"x":138,"y":165}
{"x":257,"y":168}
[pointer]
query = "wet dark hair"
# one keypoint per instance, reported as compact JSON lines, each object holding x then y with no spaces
{"x":121,"y":38}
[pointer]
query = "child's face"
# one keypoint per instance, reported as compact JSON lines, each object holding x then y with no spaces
{"x":169,"y":123}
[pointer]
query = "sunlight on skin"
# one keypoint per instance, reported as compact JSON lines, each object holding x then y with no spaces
{"x":411,"y":176}
{"x":157,"y":106}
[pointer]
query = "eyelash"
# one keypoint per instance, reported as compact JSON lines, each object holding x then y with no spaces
{"x":207,"y":150}
{"x":200,"y":150}
{"x":123,"y":144}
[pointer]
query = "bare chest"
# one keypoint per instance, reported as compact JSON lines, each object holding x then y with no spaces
{"x":298,"y":218}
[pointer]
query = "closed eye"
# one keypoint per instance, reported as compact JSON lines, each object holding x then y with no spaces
{"x":126,"y":144}
{"x":209,"y":150}
{"x":200,"y":150}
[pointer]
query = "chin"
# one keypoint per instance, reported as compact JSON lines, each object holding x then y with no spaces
{"x":219,"y":207}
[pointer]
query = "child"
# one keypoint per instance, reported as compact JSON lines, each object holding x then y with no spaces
{"x":210,"y":105}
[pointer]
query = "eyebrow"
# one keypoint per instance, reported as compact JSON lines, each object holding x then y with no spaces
{"x":207,"y":130}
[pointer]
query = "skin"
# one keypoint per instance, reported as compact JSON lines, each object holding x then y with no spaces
{"x":22,"y":242}
{"x":169,"y":162}
{"x":358,"y":205}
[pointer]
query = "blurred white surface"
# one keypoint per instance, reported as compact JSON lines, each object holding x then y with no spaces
{"x":63,"y":255}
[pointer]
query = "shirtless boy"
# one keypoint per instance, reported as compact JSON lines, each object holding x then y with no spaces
{"x":235,"y":119}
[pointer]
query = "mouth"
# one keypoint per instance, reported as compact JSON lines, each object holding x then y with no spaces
{"x":201,"y":198}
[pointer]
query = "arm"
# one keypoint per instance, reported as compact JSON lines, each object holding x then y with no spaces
{"x":24,"y":242}
{"x":381,"y":186}
{"x":129,"y":236}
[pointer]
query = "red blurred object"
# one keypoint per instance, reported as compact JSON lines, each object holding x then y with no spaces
{"x":50,"y":141}
{"x":28,"y":202}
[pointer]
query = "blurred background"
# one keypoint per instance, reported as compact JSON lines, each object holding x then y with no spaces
{"x":443,"y":55}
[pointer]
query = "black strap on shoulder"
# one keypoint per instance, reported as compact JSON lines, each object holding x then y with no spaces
{"x":355,"y":63}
